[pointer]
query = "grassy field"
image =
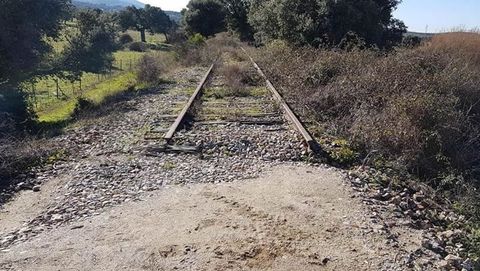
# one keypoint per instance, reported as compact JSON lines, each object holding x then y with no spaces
{"x":62,"y":110}
{"x":155,"y":38}
{"x":44,"y":94}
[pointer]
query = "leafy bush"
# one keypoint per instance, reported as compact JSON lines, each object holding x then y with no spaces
{"x":197,"y":39}
{"x":16,"y":114}
{"x":326,"y":23}
{"x":138,"y":47}
{"x":81,"y":106}
{"x":125,"y":38}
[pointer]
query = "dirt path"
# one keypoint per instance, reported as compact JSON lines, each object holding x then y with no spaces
{"x":293,"y":218}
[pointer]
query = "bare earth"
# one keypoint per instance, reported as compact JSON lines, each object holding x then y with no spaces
{"x":293,"y":218}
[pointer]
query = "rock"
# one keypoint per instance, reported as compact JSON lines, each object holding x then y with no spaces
{"x":418,"y":197}
{"x":443,"y":265}
{"x":57,"y":217}
{"x":454,"y":260}
{"x":433,"y":246}
{"x":36,"y":188}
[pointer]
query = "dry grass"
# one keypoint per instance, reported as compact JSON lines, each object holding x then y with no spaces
{"x":152,"y":66}
{"x":18,"y":156}
{"x":419,"y":107}
{"x":462,"y":44}
{"x":238,"y":78}
{"x":204,"y":54}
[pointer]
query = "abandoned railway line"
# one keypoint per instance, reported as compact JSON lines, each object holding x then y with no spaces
{"x":208,"y":176}
{"x":236,"y":114}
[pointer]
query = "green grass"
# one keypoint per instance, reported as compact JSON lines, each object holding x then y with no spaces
{"x":62,"y":110}
{"x":155,"y":38}
{"x":45,"y":89}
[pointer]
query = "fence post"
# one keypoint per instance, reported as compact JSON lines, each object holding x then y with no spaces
{"x":34,"y":95}
{"x":58,"y":87}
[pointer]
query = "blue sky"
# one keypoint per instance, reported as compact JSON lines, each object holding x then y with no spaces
{"x":439,"y":15}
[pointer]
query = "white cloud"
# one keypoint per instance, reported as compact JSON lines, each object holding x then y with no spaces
{"x":175,"y":5}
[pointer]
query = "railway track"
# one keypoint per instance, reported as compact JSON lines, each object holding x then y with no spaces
{"x":249,"y":119}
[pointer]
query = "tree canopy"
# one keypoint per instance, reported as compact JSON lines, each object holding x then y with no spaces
{"x":206,"y":17}
{"x":24,"y":26}
{"x":152,"y":19}
{"x":89,"y":46}
{"x":326,"y":22}
{"x":237,"y":18}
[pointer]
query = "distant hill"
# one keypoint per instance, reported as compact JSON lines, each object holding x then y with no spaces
{"x":108,"y":5}
{"x":420,"y":35}
{"x":115,"y":5}
{"x":174,"y":16}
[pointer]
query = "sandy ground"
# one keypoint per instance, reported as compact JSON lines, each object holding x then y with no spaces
{"x":292,"y":218}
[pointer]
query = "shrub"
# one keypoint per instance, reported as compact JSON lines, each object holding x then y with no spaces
{"x":125,"y":38}
{"x":16,"y":114}
{"x":18,"y":156}
{"x":197,"y":40}
{"x":460,"y":44}
{"x":237,"y":78}
{"x":81,"y":106}
{"x":417,"y":106}
{"x":189,"y":54}
{"x":138,"y":47}
{"x":152,"y":66}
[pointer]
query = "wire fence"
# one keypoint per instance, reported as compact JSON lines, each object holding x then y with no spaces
{"x":50,"y":89}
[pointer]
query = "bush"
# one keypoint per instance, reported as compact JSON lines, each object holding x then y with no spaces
{"x":238,"y":77}
{"x":416,"y":106}
{"x":82,"y":105}
{"x":18,"y":156}
{"x":125,"y":38}
{"x":152,"y":66}
{"x":16,"y":114}
{"x":197,"y":40}
{"x":198,"y":53}
{"x":138,"y":46}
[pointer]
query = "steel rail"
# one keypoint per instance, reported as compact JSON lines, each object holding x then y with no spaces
{"x":309,"y":141}
{"x":181,"y":117}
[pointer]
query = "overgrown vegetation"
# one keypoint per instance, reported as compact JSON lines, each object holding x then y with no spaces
{"x":152,"y":66}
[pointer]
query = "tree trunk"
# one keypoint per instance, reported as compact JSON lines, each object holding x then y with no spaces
{"x":142,"y":35}
{"x":166,"y":37}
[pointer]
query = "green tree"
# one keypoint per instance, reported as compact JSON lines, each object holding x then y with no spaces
{"x":152,"y":19}
{"x":90,"y":45}
{"x":25,"y":25}
{"x":206,"y":17}
{"x":237,"y":18}
{"x":326,"y":22}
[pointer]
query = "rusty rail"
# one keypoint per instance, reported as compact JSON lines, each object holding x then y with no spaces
{"x":309,"y":141}
{"x":181,"y":117}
